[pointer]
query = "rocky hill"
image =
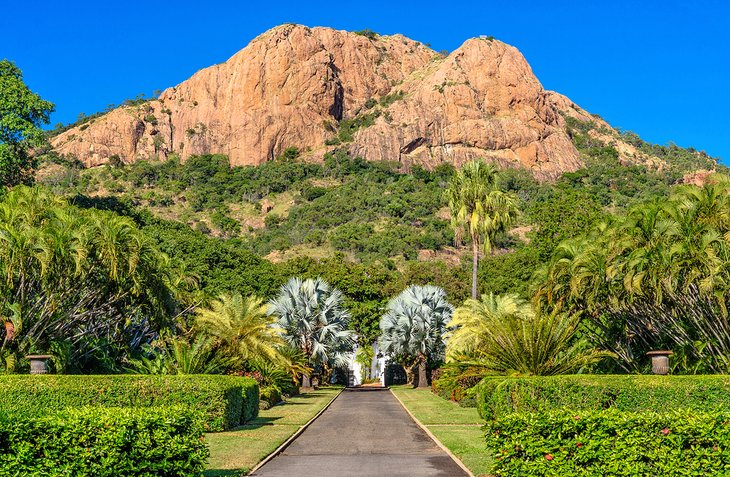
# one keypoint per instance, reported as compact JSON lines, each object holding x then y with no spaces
{"x":381,"y":97}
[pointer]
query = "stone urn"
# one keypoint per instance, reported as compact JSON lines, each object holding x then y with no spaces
{"x":660,"y":361}
{"x":38,"y":363}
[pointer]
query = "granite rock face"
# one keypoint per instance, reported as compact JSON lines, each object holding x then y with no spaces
{"x":293,"y":86}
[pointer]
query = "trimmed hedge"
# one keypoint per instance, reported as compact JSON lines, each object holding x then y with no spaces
{"x":250,"y":405}
{"x":497,"y":397}
{"x":225,"y":401}
{"x":611,"y":443}
{"x":104,"y":442}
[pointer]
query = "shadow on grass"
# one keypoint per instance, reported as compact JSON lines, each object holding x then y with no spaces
{"x":223,"y":473}
{"x":256,"y":423}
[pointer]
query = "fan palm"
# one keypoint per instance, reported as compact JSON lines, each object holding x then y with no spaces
{"x":312,"y":318}
{"x":413,"y":327}
{"x":479,"y":210}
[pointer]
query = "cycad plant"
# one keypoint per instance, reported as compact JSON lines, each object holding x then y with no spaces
{"x":177,"y":355}
{"x":504,"y":334}
{"x":313,"y":319}
{"x":243,"y":328}
{"x":413,"y":326}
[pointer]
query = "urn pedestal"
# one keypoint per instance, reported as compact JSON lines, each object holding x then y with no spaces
{"x":38,"y":363}
{"x":660,"y":361}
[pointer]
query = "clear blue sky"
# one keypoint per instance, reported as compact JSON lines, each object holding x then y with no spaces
{"x":659,"y":68}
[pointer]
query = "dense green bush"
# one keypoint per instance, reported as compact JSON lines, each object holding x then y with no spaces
{"x":611,"y":443}
{"x":225,"y":401}
{"x":456,"y":381}
{"x":269,"y":396}
{"x":104,"y":442}
{"x":497,"y":397}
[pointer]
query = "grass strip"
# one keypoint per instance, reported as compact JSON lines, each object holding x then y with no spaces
{"x":458,"y":428}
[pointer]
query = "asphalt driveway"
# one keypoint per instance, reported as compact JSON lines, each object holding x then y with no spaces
{"x":365,"y":432}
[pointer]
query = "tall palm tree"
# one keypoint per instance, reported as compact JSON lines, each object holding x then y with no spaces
{"x":413,"y":327}
{"x":312,"y":317}
{"x":479,"y":210}
{"x":243,"y":327}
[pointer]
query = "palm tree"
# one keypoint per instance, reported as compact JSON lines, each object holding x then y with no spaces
{"x":86,"y":277}
{"x":656,"y":277}
{"x":504,"y":334}
{"x":243,"y":327}
{"x":312,"y":317}
{"x":479,"y":210}
{"x":413,"y":327}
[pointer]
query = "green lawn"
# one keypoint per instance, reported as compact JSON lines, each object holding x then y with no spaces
{"x":458,"y":428}
{"x":236,"y":452}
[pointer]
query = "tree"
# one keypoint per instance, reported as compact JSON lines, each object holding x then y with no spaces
{"x":243,"y":328}
{"x":655,"y":278}
{"x":479,"y":210}
{"x":87,"y":280}
{"x":22,"y":112}
{"x":313,"y":319}
{"x":413,"y":327}
{"x":366,"y":288}
{"x":504,"y":334}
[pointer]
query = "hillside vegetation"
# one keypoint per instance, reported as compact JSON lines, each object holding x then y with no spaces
{"x":367,"y":227}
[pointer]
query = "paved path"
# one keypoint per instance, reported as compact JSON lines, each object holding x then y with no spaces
{"x":365,"y":432}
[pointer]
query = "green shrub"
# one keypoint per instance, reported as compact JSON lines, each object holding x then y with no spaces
{"x":225,"y":401}
{"x":389,"y":99}
{"x":455,"y":382}
{"x":270,"y":395}
{"x":104,"y":443}
{"x":367,"y":33}
{"x":611,"y":443}
{"x":499,"y":396}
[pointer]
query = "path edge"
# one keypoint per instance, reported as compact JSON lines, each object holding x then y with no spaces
{"x":433,"y":437}
{"x":291,"y":438}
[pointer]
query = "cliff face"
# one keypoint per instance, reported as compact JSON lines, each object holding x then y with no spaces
{"x":293,"y":86}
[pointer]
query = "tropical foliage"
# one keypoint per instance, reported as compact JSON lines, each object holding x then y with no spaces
{"x":504,"y":334}
{"x":655,"y":278}
{"x":313,"y":319}
{"x":86,"y":282}
{"x":177,"y":355}
{"x":413,"y":327}
{"x":243,"y":328}
{"x":479,"y":209}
